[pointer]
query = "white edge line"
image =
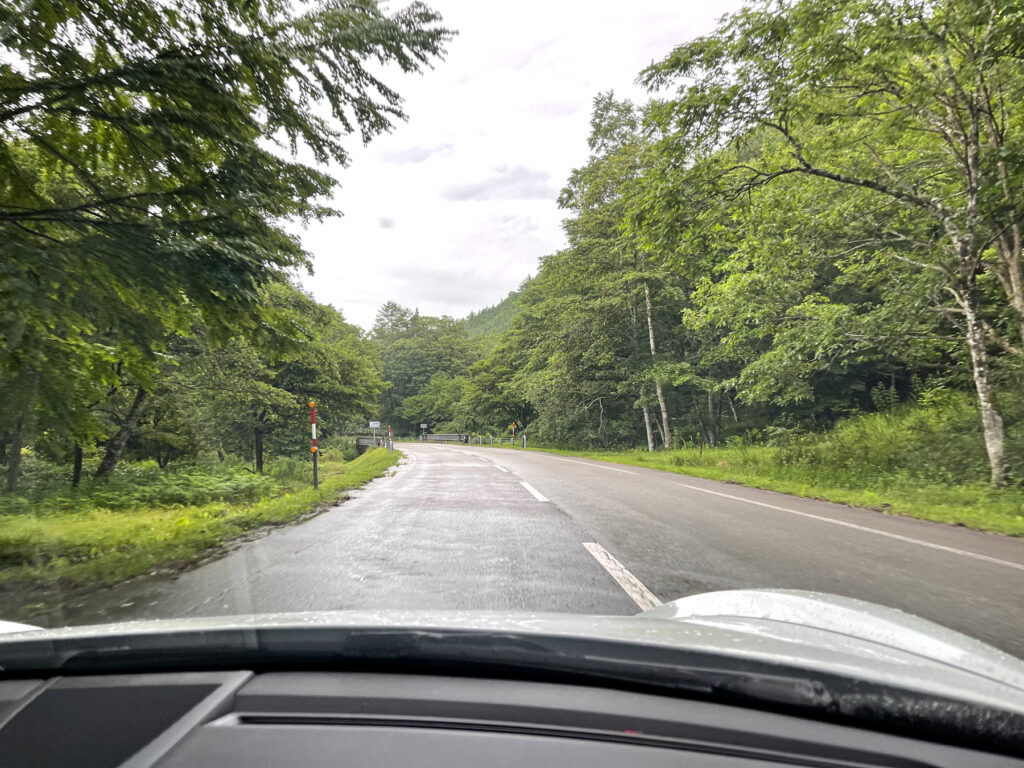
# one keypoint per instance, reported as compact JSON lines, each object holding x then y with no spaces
{"x":866,"y":529}
{"x":533,"y":491}
{"x":498,"y":466}
{"x":589,"y":464}
{"x":630,"y":584}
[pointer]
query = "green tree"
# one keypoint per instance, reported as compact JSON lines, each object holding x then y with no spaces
{"x":916,"y":102}
{"x":491,"y":398}
{"x":439,"y":404}
{"x":247,"y":396}
{"x":413,"y":349}
{"x":137,"y":183}
{"x":254,"y":392}
{"x":591,"y":338}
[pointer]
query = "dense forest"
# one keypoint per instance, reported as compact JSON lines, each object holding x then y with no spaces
{"x":148,"y":308}
{"x":816,"y":215}
{"x":493,"y":321}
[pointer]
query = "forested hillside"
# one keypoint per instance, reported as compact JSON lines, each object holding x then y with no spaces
{"x":493,"y":321}
{"x":816,"y":215}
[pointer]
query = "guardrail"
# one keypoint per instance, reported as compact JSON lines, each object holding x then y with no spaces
{"x":512,"y":441}
{"x":459,"y":438}
{"x":474,"y":439}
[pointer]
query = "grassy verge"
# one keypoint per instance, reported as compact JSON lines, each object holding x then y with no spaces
{"x":101,"y":546}
{"x":972,"y":505}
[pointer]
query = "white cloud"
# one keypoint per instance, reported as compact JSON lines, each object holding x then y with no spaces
{"x":527,"y":56}
{"x":505,"y":183}
{"x":451,"y":211}
{"x":555,"y":109}
{"x":417,"y":154}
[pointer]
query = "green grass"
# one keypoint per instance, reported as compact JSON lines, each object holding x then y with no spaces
{"x":80,"y":547}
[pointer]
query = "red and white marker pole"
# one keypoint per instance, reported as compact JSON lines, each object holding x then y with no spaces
{"x":389,"y":439}
{"x":312,"y":418}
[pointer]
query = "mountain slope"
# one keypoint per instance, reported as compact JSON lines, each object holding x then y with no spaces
{"x":497,"y":319}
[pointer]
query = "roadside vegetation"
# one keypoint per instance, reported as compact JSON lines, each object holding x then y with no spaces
{"x":145,"y":518}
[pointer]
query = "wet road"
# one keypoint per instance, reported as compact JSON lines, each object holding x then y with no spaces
{"x":476,"y":527}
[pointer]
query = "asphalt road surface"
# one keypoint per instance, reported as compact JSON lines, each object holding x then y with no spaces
{"x":468,"y":527}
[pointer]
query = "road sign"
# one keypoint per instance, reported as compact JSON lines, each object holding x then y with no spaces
{"x":375,"y":425}
{"x":423,"y":426}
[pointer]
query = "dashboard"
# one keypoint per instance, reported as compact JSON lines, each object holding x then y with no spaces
{"x":225,"y":719}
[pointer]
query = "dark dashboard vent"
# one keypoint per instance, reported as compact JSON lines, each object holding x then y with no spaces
{"x":93,"y":727}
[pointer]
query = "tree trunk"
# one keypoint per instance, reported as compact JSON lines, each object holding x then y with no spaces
{"x":116,"y":444}
{"x":14,"y":463}
{"x":258,"y":442}
{"x":712,"y":437}
{"x":636,"y":351}
{"x":76,"y":472}
{"x":657,"y":427}
{"x":647,"y":426}
{"x":602,"y":426}
{"x":702,"y":430}
{"x":991,"y":421}
{"x":666,"y":433}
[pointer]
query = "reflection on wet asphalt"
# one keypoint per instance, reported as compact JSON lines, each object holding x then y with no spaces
{"x":448,"y":531}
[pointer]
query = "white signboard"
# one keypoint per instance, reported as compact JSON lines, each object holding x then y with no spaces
{"x":375,"y":424}
{"x":423,"y":426}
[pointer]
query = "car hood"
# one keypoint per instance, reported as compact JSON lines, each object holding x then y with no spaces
{"x":818,"y":633}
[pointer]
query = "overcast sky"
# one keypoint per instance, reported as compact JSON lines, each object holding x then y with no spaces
{"x":453,"y":209}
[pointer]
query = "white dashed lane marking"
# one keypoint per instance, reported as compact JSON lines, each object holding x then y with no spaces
{"x":533,"y":491}
{"x":630,"y":584}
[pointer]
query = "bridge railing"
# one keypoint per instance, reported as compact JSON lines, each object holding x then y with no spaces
{"x":365,"y":443}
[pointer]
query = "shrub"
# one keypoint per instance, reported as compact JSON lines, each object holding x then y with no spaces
{"x":339,"y":448}
{"x":937,"y":441}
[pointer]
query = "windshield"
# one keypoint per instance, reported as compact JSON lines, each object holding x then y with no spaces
{"x":562,"y":307}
